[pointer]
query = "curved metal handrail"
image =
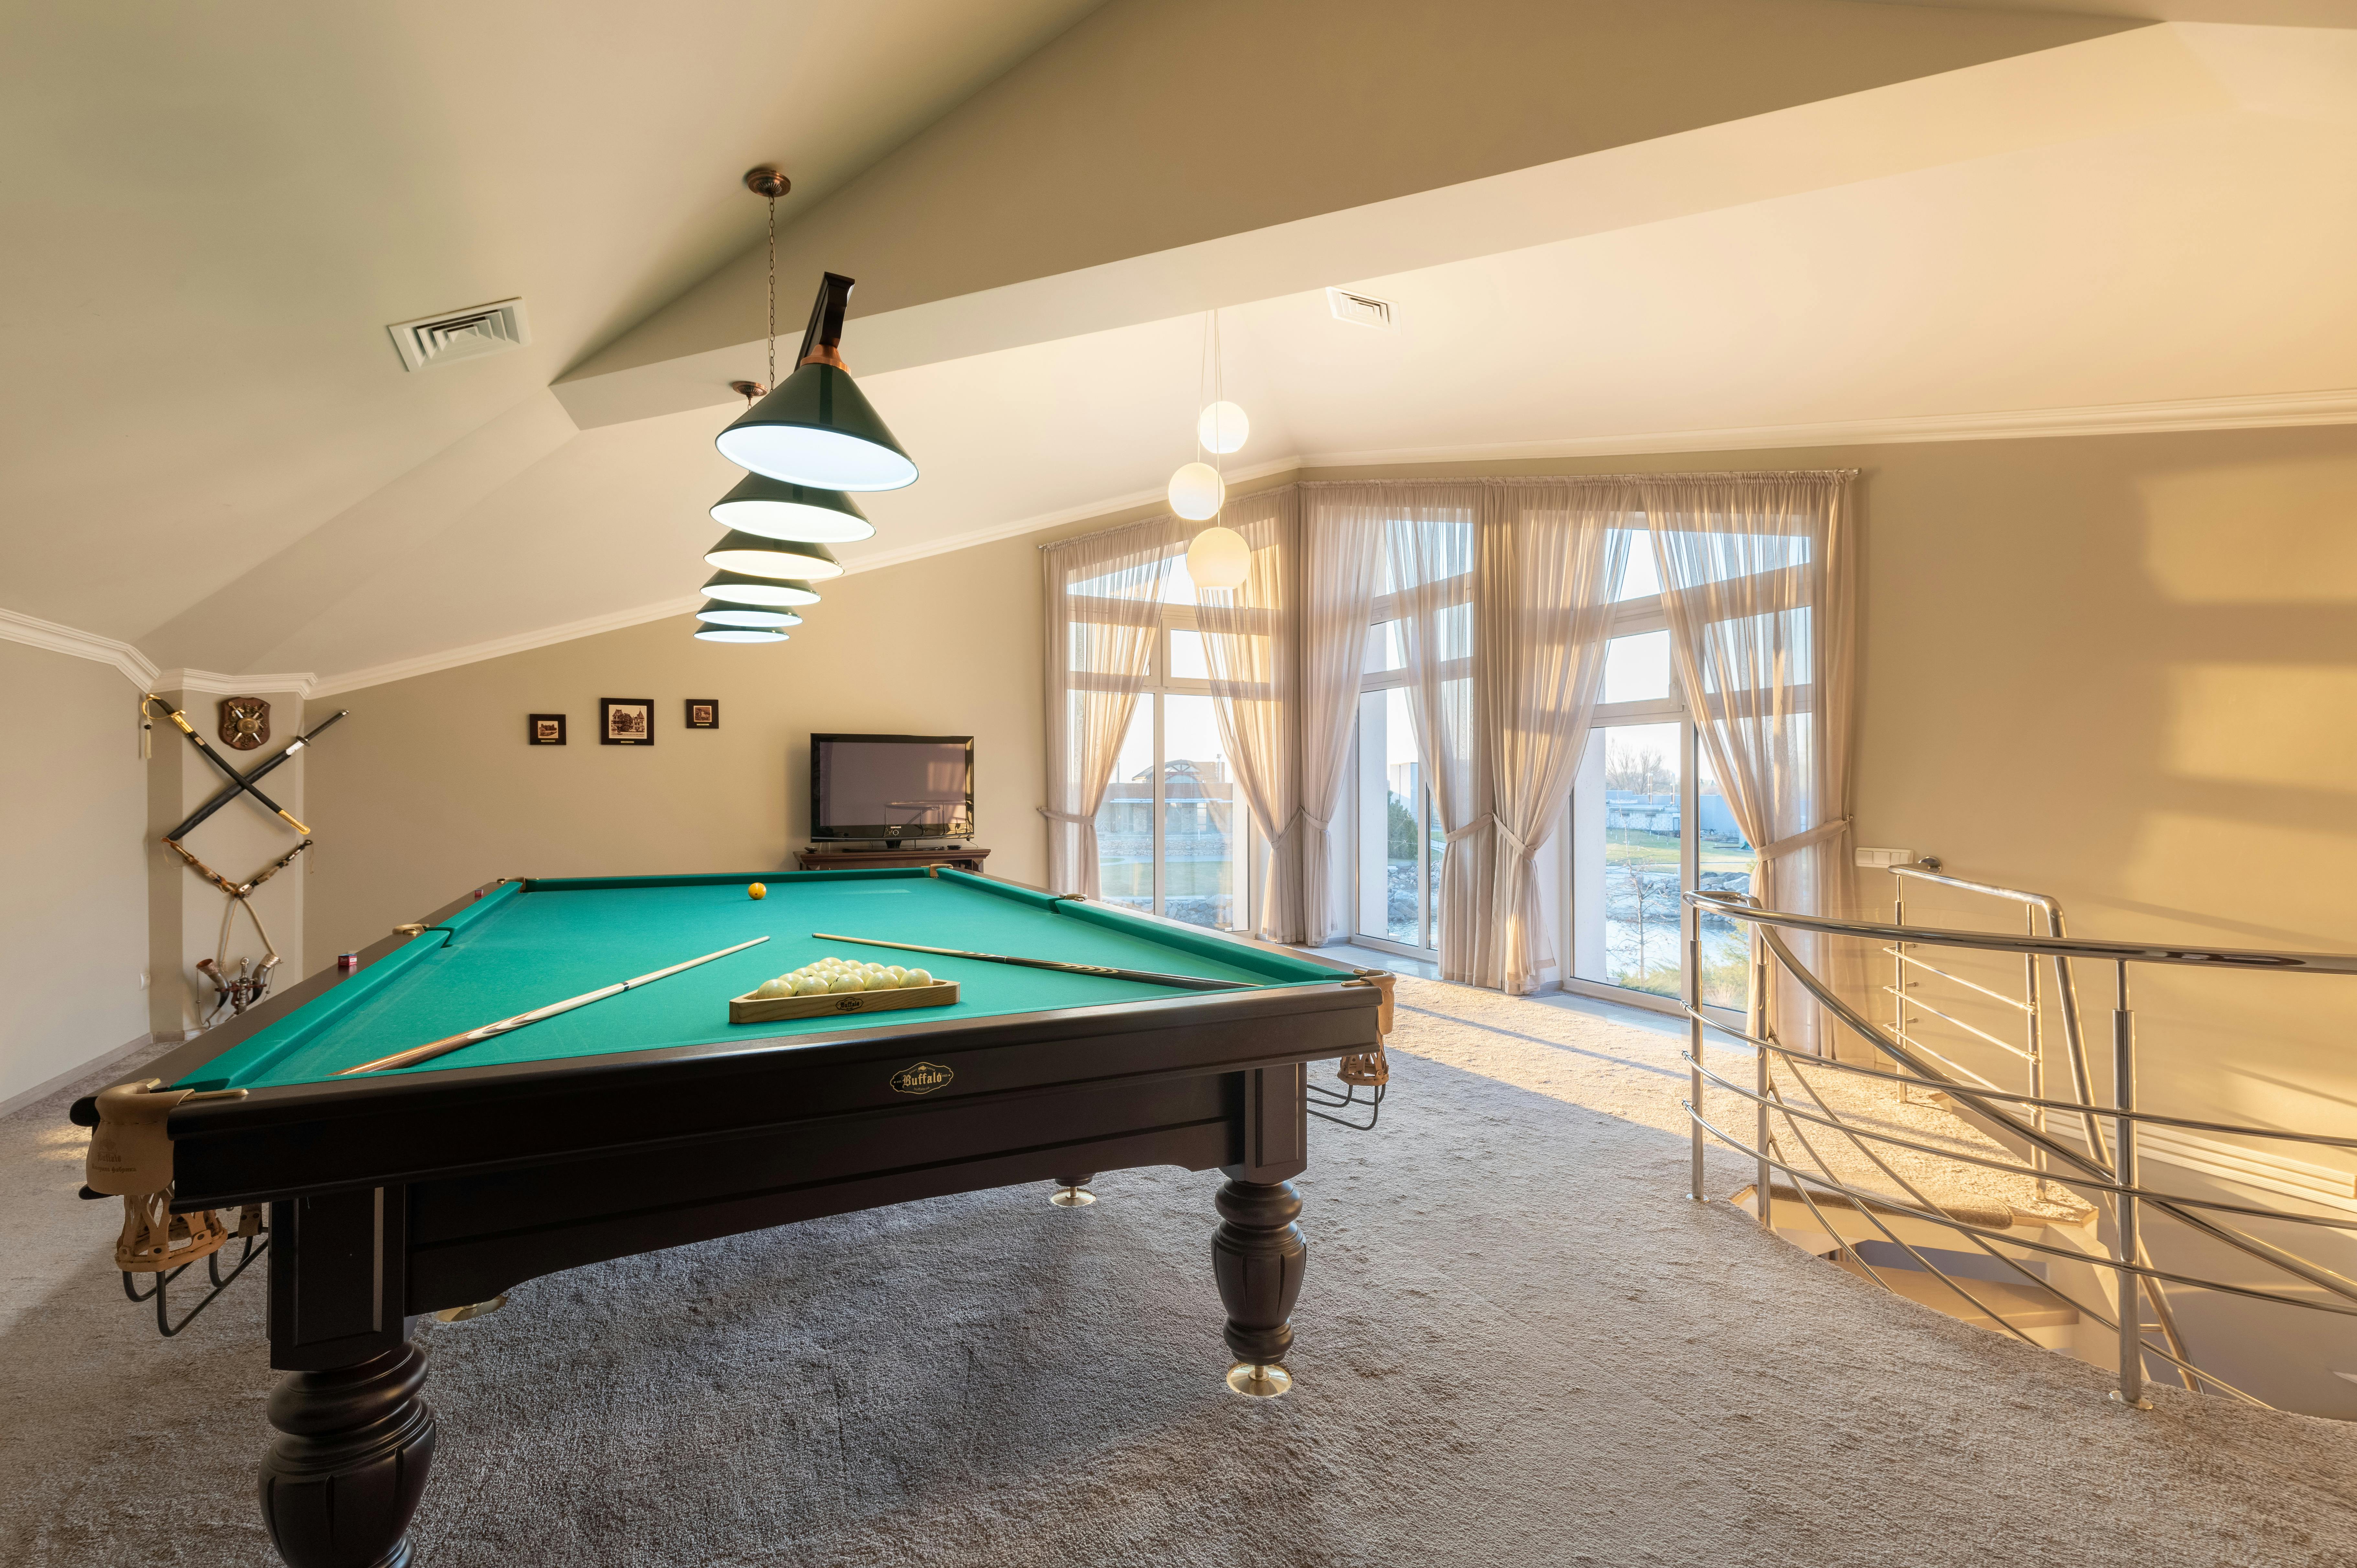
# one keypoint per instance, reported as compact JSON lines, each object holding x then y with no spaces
{"x":2106,"y":1169}
{"x":1732,"y":906}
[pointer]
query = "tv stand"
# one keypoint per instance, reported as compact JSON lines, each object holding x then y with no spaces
{"x":835,"y":858}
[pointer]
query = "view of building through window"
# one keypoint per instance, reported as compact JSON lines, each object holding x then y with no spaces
{"x":1173,"y":806}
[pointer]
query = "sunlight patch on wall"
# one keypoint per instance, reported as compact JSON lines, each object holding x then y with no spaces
{"x":2279,"y":724}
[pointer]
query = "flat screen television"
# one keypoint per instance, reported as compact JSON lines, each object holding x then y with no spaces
{"x":891,"y":787}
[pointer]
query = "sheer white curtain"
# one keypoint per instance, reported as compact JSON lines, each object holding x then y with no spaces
{"x":1102,"y":595}
{"x":1552,"y":551}
{"x":1757,"y":582}
{"x":1251,"y":648}
{"x":1431,"y":542}
{"x":1342,"y":557}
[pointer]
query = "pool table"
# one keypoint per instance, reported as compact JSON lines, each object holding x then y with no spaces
{"x":647,"y":1119}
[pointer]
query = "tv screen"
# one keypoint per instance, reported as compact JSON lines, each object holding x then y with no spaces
{"x":891,"y":786}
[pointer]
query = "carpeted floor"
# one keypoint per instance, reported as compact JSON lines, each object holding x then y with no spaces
{"x":1520,"y":1344}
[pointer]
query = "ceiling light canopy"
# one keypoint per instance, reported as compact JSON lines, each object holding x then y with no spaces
{"x":737,"y":588}
{"x":737,"y":634}
{"x":759,"y":557}
{"x":776,"y":510}
{"x":818,"y":428}
{"x":717,"y":613}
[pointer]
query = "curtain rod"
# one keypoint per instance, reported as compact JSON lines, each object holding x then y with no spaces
{"x":1653,"y":477}
{"x":1656,"y":478}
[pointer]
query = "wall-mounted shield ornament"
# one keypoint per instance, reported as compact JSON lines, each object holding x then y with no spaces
{"x":244,"y":722}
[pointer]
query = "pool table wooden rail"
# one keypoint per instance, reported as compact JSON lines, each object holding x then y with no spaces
{"x":297,"y":1139}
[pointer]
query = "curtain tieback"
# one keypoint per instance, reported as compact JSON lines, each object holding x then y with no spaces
{"x":1507,"y":836}
{"x":1800,"y":841}
{"x":1073,"y":816}
{"x":1300,"y":815}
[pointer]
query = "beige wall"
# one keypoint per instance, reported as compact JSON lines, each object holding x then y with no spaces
{"x":428,"y":788}
{"x":72,"y":799}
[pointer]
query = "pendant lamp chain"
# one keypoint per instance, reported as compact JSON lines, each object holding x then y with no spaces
{"x":773,"y":291}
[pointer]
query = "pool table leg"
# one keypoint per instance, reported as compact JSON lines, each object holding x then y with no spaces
{"x":348,"y":1465}
{"x":1258,"y":1253}
{"x":355,"y":1434}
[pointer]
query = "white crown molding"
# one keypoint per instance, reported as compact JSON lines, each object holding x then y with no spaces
{"x":2334,"y":406}
{"x":499,"y":647}
{"x":35,"y":632}
{"x":213,"y":683}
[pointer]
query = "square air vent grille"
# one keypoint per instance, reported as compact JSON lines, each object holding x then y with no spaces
{"x":1359,"y":309}
{"x":461,"y":334}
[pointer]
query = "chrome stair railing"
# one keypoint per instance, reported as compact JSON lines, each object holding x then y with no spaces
{"x":2105,"y":1174}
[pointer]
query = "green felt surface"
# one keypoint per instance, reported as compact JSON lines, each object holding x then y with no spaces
{"x":522,"y":948}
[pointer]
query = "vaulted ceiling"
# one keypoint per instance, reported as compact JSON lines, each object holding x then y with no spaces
{"x":1611,"y":226}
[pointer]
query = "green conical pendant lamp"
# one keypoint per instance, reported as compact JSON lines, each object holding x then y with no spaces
{"x":737,"y":588}
{"x":755,"y":617}
{"x":759,"y":557}
{"x":818,"y":429}
{"x":776,"y":510}
{"x":737,"y":634}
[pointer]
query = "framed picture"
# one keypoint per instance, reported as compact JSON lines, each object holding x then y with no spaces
{"x":546,"y":729}
{"x":625,"y":721}
{"x":703,"y":712}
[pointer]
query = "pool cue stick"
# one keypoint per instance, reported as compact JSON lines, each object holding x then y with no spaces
{"x":216,"y":758}
{"x":231,"y":791}
{"x":1182,"y":981}
{"x":450,"y":1043}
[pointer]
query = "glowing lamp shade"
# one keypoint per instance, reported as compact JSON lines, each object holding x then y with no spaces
{"x":1196,"y":491}
{"x":818,"y":429}
{"x":776,"y":510}
{"x":737,"y":634}
{"x":759,"y":557}
{"x":737,"y":588}
{"x":755,"y":617}
{"x":1223,"y":427}
{"x":1219,"y":558}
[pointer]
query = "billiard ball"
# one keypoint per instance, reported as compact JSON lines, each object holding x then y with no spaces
{"x":758,"y":890}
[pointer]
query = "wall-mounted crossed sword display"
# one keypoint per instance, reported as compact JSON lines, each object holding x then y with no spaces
{"x":248,"y":984}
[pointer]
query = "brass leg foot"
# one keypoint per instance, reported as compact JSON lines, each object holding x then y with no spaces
{"x":1072,"y":1192}
{"x":473,"y":1309}
{"x":1260,"y":1381}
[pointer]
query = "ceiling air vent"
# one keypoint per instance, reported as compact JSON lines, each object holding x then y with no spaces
{"x":1359,"y":309}
{"x":462,"y":334}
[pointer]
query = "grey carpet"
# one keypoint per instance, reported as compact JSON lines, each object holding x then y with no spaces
{"x":1519,"y":1345}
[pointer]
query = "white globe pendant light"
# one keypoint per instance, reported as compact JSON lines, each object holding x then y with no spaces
{"x":1223,"y":427}
{"x":1197,"y":492}
{"x":1219,"y":558}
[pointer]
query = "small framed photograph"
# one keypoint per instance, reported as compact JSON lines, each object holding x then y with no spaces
{"x":703,"y":712}
{"x":546,"y":729}
{"x":625,"y":721}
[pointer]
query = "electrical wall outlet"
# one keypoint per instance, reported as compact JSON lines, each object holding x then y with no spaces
{"x":1883,"y":859}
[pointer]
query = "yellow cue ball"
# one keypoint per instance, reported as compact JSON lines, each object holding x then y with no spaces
{"x":758,"y":890}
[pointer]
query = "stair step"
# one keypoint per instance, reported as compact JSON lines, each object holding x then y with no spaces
{"x":2024,"y":1305}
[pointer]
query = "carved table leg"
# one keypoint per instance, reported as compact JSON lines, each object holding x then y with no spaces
{"x":345,"y":1473}
{"x":1257,"y":1256}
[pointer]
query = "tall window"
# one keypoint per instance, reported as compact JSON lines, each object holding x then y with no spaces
{"x":1647,"y":822}
{"x":1399,"y":838}
{"x":1173,"y":835}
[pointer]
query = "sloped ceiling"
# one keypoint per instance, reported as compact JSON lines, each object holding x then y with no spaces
{"x":1969,"y":222}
